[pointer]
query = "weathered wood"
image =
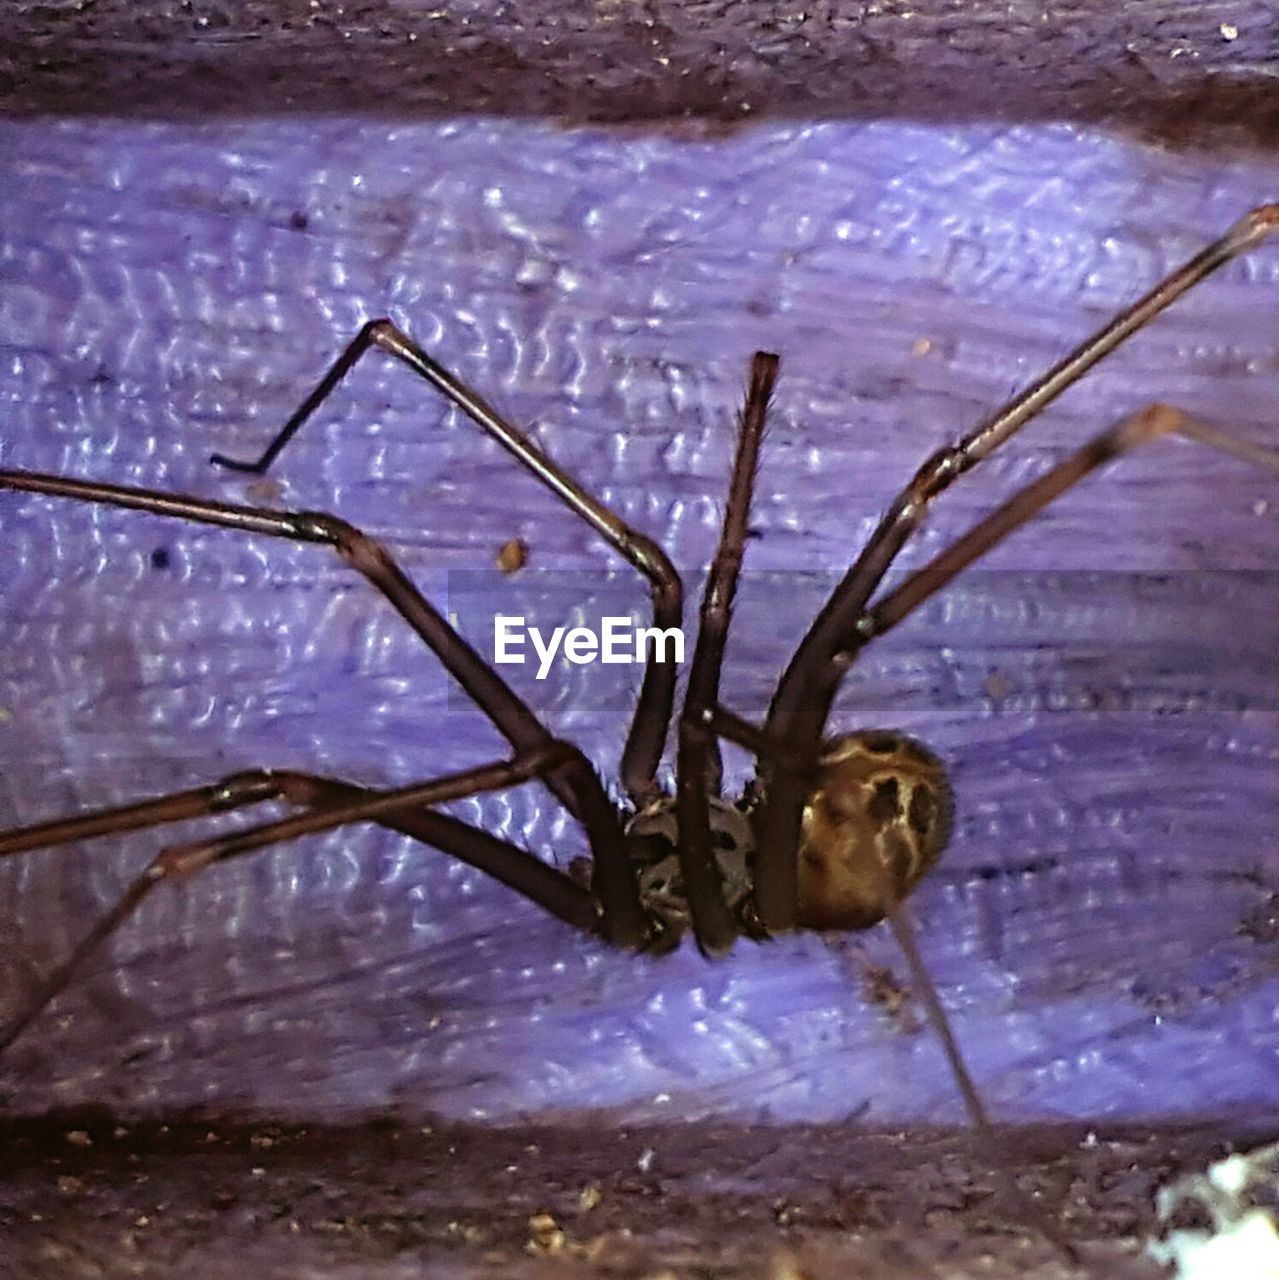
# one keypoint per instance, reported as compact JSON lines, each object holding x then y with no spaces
{"x":1178,"y":70}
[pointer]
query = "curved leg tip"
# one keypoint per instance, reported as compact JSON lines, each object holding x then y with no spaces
{"x":235,"y":464}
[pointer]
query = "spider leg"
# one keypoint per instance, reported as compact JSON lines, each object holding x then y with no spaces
{"x":1152,"y":423}
{"x":643,"y":750}
{"x":571,"y":777}
{"x":698,"y":762}
{"x":224,"y":796}
{"x":903,"y":928}
{"x":727,"y":724}
{"x":807,"y":688}
{"x":369,"y":805}
{"x":520,"y":870}
{"x":341,"y":804}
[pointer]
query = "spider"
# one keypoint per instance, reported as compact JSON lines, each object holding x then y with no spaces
{"x":833,"y":833}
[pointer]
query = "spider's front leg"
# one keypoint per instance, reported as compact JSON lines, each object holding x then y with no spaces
{"x":647,"y":736}
{"x":806,"y":692}
{"x":698,"y":761}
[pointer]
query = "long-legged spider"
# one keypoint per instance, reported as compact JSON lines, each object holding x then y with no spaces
{"x":835,"y":831}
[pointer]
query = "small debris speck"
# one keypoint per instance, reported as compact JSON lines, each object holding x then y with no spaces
{"x":265,"y":490}
{"x":998,"y":686}
{"x":545,"y":1235}
{"x":513,"y":555}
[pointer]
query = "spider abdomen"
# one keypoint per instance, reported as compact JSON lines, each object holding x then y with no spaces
{"x":873,"y":828}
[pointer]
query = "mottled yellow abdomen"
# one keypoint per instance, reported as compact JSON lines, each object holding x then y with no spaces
{"x":873,"y":828}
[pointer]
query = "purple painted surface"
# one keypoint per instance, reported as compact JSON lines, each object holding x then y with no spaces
{"x":172,"y":290}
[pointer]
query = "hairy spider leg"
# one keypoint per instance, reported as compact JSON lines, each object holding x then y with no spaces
{"x":698,"y":764}
{"x":572,"y":779}
{"x":802,"y":702}
{"x":340,"y":804}
{"x":647,"y":736}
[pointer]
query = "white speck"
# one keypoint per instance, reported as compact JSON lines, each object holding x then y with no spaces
{"x":645,"y":1162}
{"x":1229,"y":31}
{"x":568,"y":281}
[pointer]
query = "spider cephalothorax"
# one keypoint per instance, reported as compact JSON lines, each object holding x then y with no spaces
{"x":652,"y":843}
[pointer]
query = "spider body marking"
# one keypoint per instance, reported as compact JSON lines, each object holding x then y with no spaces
{"x":873,"y":828}
{"x":652,"y":842}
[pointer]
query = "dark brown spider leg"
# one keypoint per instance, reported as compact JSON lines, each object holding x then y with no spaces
{"x":369,"y":806}
{"x":520,"y":870}
{"x":555,"y":892}
{"x":57,"y":981}
{"x":698,"y":764}
{"x":1152,"y":423}
{"x":733,"y":728}
{"x":341,"y":808}
{"x":647,"y":736}
{"x":572,"y":780}
{"x":807,"y":688}
{"x":223,"y":796}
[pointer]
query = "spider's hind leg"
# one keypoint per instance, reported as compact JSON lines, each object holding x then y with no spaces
{"x":330,"y":804}
{"x":569,"y":776}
